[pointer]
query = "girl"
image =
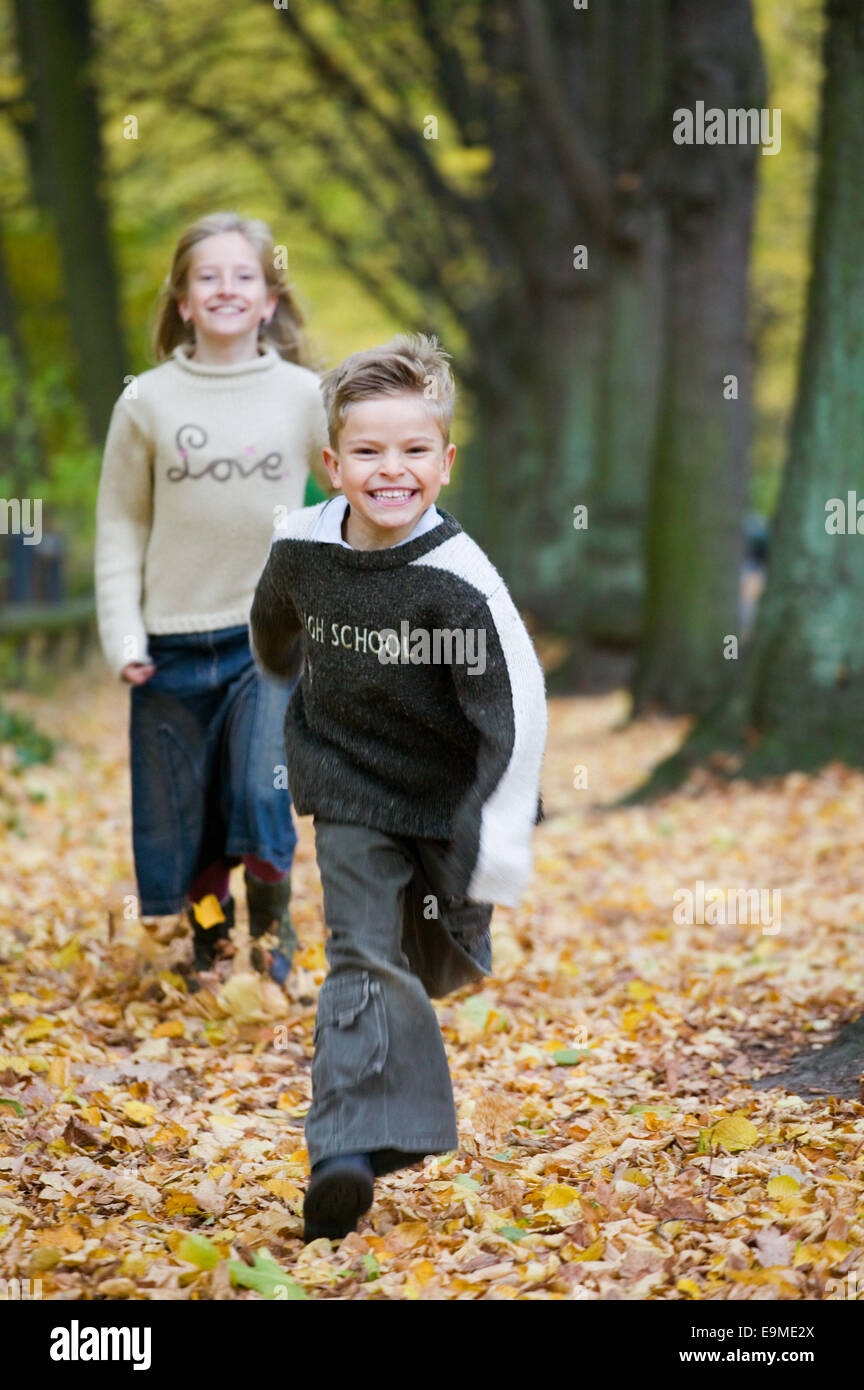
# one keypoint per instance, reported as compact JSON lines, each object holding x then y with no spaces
{"x":204,"y":453}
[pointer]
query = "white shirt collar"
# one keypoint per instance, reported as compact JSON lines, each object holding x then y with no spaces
{"x":329,"y":527}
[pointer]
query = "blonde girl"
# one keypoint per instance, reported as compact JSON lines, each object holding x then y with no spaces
{"x":203,"y":454}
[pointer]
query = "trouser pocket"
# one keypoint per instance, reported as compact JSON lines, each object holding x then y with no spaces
{"x":351,"y":1035}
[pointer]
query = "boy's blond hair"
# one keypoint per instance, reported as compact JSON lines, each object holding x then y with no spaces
{"x":408,"y":362}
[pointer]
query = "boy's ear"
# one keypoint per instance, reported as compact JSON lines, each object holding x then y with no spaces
{"x":447,"y":462}
{"x":331,"y":463}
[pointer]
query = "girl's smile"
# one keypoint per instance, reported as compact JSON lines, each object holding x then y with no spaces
{"x":226,"y":299}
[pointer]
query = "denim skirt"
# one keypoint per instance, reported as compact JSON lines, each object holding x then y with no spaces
{"x":207,"y":763}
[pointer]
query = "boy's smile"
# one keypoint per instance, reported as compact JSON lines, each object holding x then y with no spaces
{"x":391,"y":464}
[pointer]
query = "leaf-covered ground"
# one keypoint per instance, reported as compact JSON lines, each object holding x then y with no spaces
{"x":151,"y":1141}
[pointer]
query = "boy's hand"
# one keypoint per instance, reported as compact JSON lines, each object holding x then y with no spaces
{"x":138,"y":672}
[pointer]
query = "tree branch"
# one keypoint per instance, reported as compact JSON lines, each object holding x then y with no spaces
{"x":584,"y":174}
{"x":401,"y":137}
{"x":297,"y":201}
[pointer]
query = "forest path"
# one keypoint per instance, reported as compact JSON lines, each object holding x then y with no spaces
{"x":611,"y":1144}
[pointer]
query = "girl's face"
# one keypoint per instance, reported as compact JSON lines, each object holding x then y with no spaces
{"x":226,"y":293}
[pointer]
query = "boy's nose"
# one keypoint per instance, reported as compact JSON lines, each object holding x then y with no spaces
{"x":392,"y":465}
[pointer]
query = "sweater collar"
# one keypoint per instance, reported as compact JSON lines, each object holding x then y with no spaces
{"x":267,"y":358}
{"x":394,"y":556}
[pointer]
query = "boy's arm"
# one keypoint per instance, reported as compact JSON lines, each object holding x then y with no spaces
{"x":490,"y":852}
{"x":124,"y":514}
{"x":274,"y":623}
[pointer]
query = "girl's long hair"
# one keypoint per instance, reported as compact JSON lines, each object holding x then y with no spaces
{"x":283,"y":332}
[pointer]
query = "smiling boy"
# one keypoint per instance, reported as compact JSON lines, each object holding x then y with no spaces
{"x":422,"y":775}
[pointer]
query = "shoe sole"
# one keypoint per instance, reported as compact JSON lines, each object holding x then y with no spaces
{"x":335,"y":1204}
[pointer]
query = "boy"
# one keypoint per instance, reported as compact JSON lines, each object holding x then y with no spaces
{"x":415,"y":737}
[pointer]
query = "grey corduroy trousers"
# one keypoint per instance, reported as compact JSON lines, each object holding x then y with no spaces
{"x":380,"y":1078}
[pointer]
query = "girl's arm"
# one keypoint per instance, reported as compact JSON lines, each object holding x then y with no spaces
{"x":124,"y":512}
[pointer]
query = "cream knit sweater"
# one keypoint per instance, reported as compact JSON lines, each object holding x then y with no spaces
{"x":195,"y":467}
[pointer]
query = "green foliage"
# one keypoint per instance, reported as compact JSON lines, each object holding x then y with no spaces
{"x":30,"y":745}
{"x":266,"y":1277}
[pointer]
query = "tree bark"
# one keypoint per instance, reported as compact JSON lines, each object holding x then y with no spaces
{"x":629,"y":378}
{"x":64,"y":146}
{"x":807,"y":678}
{"x":798,"y":699}
{"x":693,"y":534}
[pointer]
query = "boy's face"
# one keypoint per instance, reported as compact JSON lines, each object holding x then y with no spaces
{"x":391,"y":463}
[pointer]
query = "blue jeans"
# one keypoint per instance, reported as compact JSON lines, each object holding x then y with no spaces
{"x":207,"y":765}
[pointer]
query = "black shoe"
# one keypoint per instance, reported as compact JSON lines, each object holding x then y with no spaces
{"x":340,"y":1189}
{"x":205,"y":939}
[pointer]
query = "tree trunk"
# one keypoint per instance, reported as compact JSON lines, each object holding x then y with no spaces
{"x":799,"y":697}
{"x":64,"y":146}
{"x":693,"y":537}
{"x":529,"y":461}
{"x":629,"y":377}
{"x":21,"y":455}
{"x":807,"y":679}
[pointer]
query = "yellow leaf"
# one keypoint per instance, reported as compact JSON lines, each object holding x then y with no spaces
{"x":635,"y":1176}
{"x":171,"y":1028}
{"x":46,"y":1257}
{"x":67,"y":955}
{"x":828,"y":1252}
{"x":774,"y":1276}
{"x":39,"y":1028}
{"x":208,"y":912}
{"x":405,"y":1236}
{"x":637,"y":989}
{"x":689,"y":1286}
{"x":313,"y":957}
{"x":181,"y":1204}
{"x":170,"y":977}
{"x":139,"y":1113}
{"x":282,"y":1188}
{"x":734,"y":1132}
{"x":242,"y":997}
{"x":784,"y":1185}
{"x":631,"y":1019}
{"x":422,"y":1272}
{"x":23,"y":1000}
{"x":63,"y":1237}
{"x":90,"y":1114}
{"x":594,"y":1252}
{"x":170,"y":1134}
{"x":58,"y":1072}
{"x":559,"y":1196}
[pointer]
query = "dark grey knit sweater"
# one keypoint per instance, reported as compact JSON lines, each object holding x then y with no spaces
{"x":421,"y":706}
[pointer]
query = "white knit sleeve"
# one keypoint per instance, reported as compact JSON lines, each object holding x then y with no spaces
{"x":124,"y":512}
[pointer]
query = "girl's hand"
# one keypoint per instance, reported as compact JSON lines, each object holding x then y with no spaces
{"x":137,"y":672}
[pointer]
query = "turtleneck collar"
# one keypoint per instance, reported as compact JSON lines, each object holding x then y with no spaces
{"x":266,"y":359}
